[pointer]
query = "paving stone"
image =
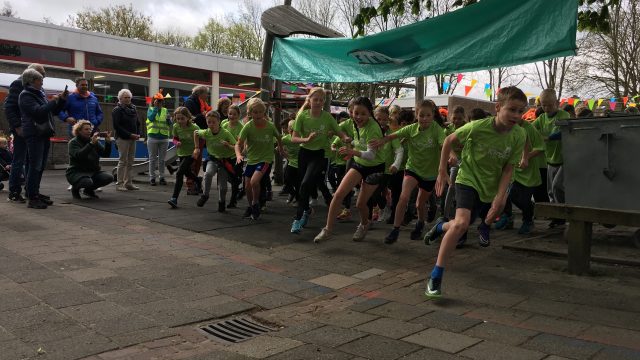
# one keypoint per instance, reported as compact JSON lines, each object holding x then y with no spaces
{"x":368,"y":304}
{"x":617,"y":353}
{"x":78,"y":346}
{"x":29,"y":275}
{"x":488,"y":350}
{"x":70,"y":298}
{"x":52,"y":286}
{"x":501,"y":333}
{"x":171,"y":313}
{"x":29,"y":317}
{"x":189,"y":293}
{"x":295,"y":329}
{"x":612,"y":336}
{"x":367,"y":274}
{"x":5,"y":335}
{"x":399,"y":311}
{"x":334,"y":281}
{"x":427,"y":353}
{"x":499,"y":315}
{"x":313,"y":292}
{"x":122,"y":324}
{"x":346,"y":318}
{"x":378,"y":347}
{"x":272,"y":300}
{"x":555,"y":326}
{"x":134,"y":297}
{"x":118,"y":262}
{"x":230,"y":308}
{"x":210,"y":303}
{"x":89,"y":274}
{"x":70,"y":264}
{"x":546,"y":307}
{"x":264,"y":346}
{"x":312,"y":352}
{"x":141,"y":336}
{"x":442,"y":340}
{"x":331,"y":336}
{"x":17,"y":300}
{"x":219,"y":355}
{"x":16,"y":349}
{"x":98,"y":311}
{"x":446,"y":321}
{"x":109,"y":285}
{"x":290,"y":285}
{"x":50,"y":330}
{"x":563,"y":346}
{"x":391,"y":328}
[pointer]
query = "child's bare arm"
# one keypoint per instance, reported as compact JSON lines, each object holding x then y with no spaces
{"x":501,"y":196}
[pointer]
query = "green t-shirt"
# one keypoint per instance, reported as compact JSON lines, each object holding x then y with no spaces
{"x":259,"y":142}
{"x":347,"y":127}
{"x":292,"y":151}
{"x":424,"y":149}
{"x":363,"y":136}
{"x":337,"y":158}
{"x":324,"y":125}
{"x":530,"y":176}
{"x":235,"y":131}
{"x":547,"y":126}
{"x":485,"y":152}
{"x":389,"y":152}
{"x":185,"y":135}
{"x":215,"y":147}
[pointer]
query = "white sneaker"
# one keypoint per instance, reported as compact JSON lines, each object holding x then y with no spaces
{"x":313,"y":202}
{"x":386,"y":214}
{"x":323,"y":236}
{"x":361,"y":232}
{"x":98,"y":190}
{"x":70,"y":187}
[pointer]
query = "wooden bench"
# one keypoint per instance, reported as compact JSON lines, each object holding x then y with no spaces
{"x":578,"y":234}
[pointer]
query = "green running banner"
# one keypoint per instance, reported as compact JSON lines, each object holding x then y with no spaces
{"x":488,"y":34}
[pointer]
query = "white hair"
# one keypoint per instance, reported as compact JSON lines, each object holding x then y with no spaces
{"x":123,"y":92}
{"x":30,"y":75}
{"x":37,"y":67}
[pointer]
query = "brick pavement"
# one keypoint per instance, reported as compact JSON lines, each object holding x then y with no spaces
{"x":127,"y":278}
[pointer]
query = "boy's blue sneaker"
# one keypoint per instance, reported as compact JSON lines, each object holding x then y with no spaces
{"x":505,"y":222}
{"x":173,"y":202}
{"x":417,"y":231}
{"x":296,"y":227}
{"x":393,"y":236}
{"x":483,"y":234}
{"x":525,"y":228}
{"x":432,"y":235}
{"x":433,"y":288}
{"x":304,"y":220}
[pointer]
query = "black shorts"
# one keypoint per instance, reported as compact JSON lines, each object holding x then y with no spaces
{"x":426,"y":185}
{"x":468,"y":198}
{"x":370,"y":174}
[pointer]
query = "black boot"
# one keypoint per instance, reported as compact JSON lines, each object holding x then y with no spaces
{"x":75,"y":192}
{"x":221,"y":206}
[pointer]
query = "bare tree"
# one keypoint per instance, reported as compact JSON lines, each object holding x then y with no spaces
{"x":7,"y":10}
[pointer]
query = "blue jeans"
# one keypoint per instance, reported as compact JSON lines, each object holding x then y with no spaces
{"x":38,"y":148}
{"x":18,"y":164}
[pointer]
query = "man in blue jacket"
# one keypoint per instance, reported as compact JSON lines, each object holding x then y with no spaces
{"x":82,"y":105}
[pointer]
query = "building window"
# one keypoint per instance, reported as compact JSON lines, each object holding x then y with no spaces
{"x":239,"y":81}
{"x":35,"y":54}
{"x":179,"y":73}
{"x":117,"y":65}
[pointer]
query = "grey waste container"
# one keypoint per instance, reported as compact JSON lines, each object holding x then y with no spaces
{"x":602,"y":162}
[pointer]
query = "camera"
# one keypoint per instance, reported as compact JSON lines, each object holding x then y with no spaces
{"x":102,"y":133}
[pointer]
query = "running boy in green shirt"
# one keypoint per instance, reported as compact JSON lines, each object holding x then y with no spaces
{"x":491,"y":147}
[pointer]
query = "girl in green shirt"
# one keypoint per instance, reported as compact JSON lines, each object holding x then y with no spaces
{"x":234,"y":126}
{"x":183,"y":130}
{"x":291,"y":170}
{"x":257,"y":135}
{"x":367,"y":168}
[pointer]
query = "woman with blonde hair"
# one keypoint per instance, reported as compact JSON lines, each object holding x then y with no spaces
{"x":314,"y":130}
{"x":84,"y":160}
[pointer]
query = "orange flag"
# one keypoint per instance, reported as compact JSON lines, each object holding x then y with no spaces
{"x":467,"y":89}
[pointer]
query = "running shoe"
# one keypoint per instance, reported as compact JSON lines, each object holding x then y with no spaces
{"x":432,"y":235}
{"x":504,"y":222}
{"x":375,"y":214}
{"x":255,"y":212}
{"x":393,"y":236}
{"x":417,"y":231}
{"x":173,"y":202}
{"x":296,"y":227}
{"x":304,"y":220}
{"x":324,"y":235}
{"x":361,"y":232}
{"x":483,"y":235}
{"x":247,"y":213}
{"x":433,"y":288}
{"x":526,"y":227}
{"x":345,"y":215}
{"x":203,"y":199}
{"x":386,"y":214}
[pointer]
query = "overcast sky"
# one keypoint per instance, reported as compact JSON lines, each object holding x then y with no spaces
{"x":186,"y":15}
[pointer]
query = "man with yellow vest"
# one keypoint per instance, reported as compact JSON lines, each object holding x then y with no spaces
{"x":158,"y":129}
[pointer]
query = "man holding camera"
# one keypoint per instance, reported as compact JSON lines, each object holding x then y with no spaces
{"x":82,"y":105}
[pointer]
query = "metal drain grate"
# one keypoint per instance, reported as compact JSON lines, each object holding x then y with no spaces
{"x":235,"y":330}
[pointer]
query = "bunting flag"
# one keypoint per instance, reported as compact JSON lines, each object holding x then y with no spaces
{"x":570,"y":101}
{"x":168,"y":96}
{"x":487,"y":92}
{"x":460,"y":78}
{"x":293,"y":87}
{"x":474,"y":82}
{"x":445,"y":86}
{"x":612,"y":105}
{"x":538,"y":99}
{"x":242,"y":96}
{"x":624,"y":100}
{"x":591,"y":103}
{"x":600,"y":101}
{"x":612,"y":100}
{"x":147,"y":99}
{"x":487,"y":86}
{"x":108,"y":98}
{"x":467,"y":89}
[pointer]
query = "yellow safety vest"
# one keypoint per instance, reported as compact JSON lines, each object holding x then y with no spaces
{"x":160,"y":126}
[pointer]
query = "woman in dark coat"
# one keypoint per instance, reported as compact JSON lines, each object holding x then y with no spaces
{"x":127,"y":127}
{"x":84,"y":160}
{"x":35,"y":112}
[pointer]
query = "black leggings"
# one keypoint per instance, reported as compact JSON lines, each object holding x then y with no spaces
{"x":540,"y":193}
{"x":395,"y":185}
{"x":183,"y":170}
{"x":98,"y":179}
{"x":311,"y":165}
{"x":520,"y":196}
{"x":291,"y":181}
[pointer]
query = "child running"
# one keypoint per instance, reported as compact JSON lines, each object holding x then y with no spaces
{"x":233,"y":125}
{"x":291,"y":170}
{"x":313,"y":129}
{"x":366,"y":168}
{"x":491,"y":147}
{"x":424,"y":141}
{"x":183,"y":130}
{"x":220,"y":149}
{"x":257,"y":135}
